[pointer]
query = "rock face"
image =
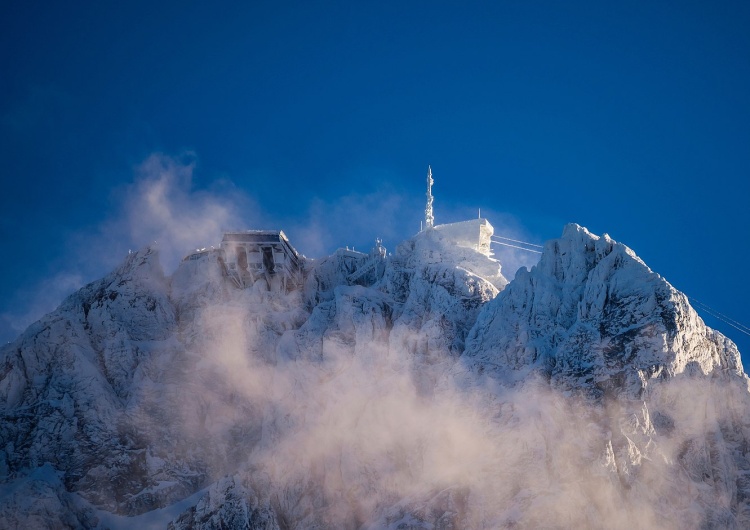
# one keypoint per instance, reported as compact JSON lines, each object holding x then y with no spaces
{"x":69,"y":381}
{"x":419,"y":390}
{"x":592,"y":316}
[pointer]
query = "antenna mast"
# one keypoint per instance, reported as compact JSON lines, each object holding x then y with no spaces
{"x":429,"y":218}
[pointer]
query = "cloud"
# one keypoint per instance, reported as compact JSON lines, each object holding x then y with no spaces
{"x":346,"y":428}
{"x":337,"y":424}
{"x":160,"y":205}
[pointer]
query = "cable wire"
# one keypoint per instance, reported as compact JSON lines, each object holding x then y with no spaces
{"x":720,"y":316}
{"x":514,"y":246}
{"x":727,"y":318}
{"x":517,"y":241}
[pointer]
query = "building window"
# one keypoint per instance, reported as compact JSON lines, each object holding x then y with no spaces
{"x":268,"y":259}
{"x":241,"y":259}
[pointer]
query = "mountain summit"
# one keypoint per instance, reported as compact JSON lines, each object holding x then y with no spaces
{"x":256,"y":388}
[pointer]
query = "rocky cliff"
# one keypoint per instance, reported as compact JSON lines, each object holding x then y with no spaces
{"x":426,"y":392}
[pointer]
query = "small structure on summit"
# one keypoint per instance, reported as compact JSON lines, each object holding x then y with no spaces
{"x":475,"y":234}
{"x":372,"y":262}
{"x":360,"y":268}
{"x":251,"y":255}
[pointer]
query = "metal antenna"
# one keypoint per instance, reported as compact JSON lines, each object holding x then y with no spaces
{"x":429,"y":218}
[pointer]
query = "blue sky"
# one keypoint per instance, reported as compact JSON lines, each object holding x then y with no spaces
{"x":630,"y":118}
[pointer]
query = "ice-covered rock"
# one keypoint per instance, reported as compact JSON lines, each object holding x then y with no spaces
{"x":229,"y":504}
{"x":592,"y":316}
{"x":414,"y":390}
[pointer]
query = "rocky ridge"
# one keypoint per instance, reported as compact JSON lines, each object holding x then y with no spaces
{"x":430,"y":393}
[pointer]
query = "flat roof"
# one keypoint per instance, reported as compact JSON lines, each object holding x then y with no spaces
{"x":259,"y":236}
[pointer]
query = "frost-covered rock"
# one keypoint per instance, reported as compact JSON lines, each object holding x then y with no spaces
{"x":40,"y":500}
{"x":592,"y":316}
{"x":229,"y":504}
{"x":418,"y":390}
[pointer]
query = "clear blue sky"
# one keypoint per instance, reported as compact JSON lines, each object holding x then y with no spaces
{"x":631,"y":118}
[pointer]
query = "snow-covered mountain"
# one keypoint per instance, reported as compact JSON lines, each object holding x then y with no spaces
{"x":416,"y":390}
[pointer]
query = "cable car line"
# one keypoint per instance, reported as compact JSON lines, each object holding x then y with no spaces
{"x":515,"y":246}
{"x":709,"y":308}
{"x":517,"y":241}
{"x":720,"y":316}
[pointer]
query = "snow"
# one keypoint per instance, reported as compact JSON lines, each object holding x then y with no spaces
{"x":414,"y":390}
{"x":155,"y":519}
{"x":474,"y":234}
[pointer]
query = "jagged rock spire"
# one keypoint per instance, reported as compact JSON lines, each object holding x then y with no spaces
{"x":429,"y":218}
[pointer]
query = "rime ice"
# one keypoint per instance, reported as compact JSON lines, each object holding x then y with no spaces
{"x":256,"y":388}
